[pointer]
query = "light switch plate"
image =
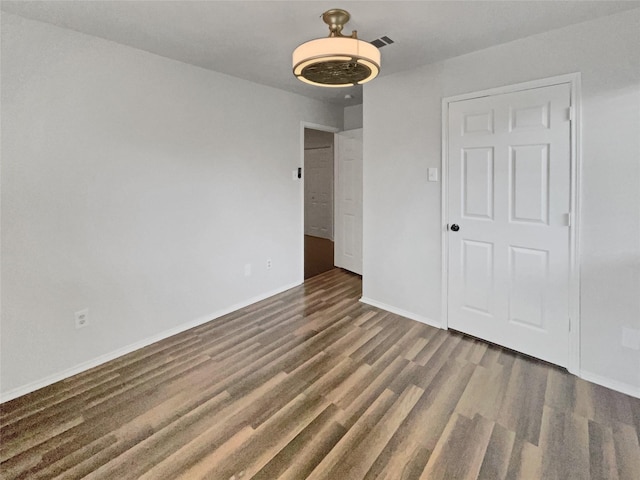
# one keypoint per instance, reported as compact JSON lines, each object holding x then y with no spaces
{"x":433,"y":174}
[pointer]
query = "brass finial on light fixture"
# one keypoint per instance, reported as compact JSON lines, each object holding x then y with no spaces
{"x":336,"y":19}
{"x":338,"y":60}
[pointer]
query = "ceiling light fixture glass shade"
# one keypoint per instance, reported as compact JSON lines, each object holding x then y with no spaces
{"x":336,"y":61}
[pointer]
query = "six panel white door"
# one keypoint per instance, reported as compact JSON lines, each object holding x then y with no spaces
{"x":318,"y":192}
{"x":509,"y":194}
{"x":348,"y":226}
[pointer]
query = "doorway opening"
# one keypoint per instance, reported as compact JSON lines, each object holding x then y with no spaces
{"x":318,"y":202}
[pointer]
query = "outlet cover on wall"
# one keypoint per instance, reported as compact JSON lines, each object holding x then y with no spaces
{"x":82,"y":318}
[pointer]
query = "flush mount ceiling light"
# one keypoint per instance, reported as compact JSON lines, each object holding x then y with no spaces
{"x":338,"y":60}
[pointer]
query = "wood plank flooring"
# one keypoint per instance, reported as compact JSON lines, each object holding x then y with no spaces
{"x":313,"y":384}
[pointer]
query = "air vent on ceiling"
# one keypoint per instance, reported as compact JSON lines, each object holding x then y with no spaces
{"x":381,"y":42}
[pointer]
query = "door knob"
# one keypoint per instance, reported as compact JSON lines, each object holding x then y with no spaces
{"x":455,"y":228}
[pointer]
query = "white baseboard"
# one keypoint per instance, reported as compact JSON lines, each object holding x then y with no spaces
{"x":585,"y":375}
{"x":56,"y":377}
{"x":609,"y":383}
{"x":94,"y":362}
{"x":399,"y":311}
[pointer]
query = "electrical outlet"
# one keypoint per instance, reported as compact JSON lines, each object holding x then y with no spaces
{"x":82,"y":318}
{"x":268,"y":264}
{"x":247,"y":270}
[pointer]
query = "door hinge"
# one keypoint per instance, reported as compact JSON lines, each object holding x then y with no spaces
{"x":299,"y":172}
{"x":570,"y":113}
{"x":569,"y":219}
{"x":569,"y":324}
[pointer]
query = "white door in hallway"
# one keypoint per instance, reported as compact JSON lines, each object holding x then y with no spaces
{"x":509,"y":177}
{"x":348,"y":226}
{"x":318,"y":192}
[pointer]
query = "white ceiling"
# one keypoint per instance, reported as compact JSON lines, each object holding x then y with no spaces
{"x":254,"y":39}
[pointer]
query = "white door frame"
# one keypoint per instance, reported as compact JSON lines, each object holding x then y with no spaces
{"x":313,"y":126}
{"x":573,"y":79}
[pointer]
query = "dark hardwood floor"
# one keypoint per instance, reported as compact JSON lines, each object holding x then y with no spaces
{"x":313,"y":384}
{"x":318,"y":256}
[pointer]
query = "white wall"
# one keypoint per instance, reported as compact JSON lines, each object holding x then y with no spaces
{"x":402,"y":221}
{"x":138,"y":187}
{"x":353,"y":117}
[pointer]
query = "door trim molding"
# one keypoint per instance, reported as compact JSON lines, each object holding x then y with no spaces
{"x":313,"y":126}
{"x":574,"y":81}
